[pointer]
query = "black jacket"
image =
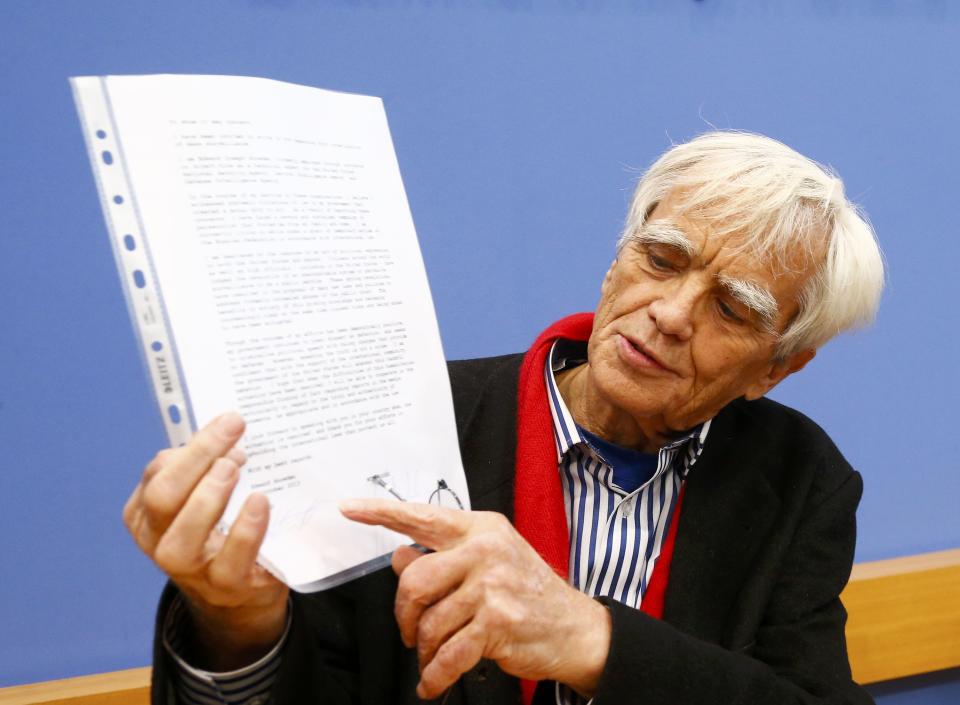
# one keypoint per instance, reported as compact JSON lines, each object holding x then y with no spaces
{"x":752,"y":614}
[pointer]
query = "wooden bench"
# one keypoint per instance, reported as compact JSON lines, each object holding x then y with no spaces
{"x":904,"y":620}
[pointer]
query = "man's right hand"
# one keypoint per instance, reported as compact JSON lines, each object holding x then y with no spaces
{"x":238,"y":609}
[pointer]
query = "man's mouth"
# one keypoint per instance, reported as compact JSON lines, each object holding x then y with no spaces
{"x":640,"y":356}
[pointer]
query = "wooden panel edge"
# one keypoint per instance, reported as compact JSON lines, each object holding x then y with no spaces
{"x":904,"y":616}
{"x":130,"y":687}
{"x":905,"y":564}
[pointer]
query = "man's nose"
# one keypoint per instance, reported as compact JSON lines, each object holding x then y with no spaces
{"x":672,"y":310}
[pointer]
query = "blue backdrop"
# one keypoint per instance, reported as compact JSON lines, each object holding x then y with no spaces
{"x":520,"y":128}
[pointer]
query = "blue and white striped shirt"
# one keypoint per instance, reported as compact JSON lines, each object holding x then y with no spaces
{"x":616,"y":535}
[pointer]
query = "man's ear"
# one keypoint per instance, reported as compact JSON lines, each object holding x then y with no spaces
{"x":777,"y":372}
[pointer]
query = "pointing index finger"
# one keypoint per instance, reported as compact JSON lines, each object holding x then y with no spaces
{"x":438,"y":528}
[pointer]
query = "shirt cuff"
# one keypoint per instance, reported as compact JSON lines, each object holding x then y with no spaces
{"x":249,"y":685}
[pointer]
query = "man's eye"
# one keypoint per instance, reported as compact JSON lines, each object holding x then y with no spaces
{"x":727,"y":312}
{"x":660,"y":263}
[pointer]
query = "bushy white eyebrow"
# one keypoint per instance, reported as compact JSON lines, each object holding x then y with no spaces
{"x":662,"y":232}
{"x":754,"y":297}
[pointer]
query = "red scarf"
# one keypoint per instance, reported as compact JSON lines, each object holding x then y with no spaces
{"x":539,"y":512}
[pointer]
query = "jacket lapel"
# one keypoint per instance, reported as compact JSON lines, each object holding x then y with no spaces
{"x":727,"y":496}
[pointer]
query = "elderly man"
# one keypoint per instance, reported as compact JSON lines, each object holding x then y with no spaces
{"x":646,"y":527}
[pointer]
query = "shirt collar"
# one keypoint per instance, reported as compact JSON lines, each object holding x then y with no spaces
{"x":567,"y":353}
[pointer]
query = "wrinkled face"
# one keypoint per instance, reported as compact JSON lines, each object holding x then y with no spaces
{"x":685,"y":325}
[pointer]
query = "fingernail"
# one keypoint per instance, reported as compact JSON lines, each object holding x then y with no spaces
{"x":223,"y":470}
{"x":230,"y":423}
{"x":350,"y":505}
{"x":257,"y":507}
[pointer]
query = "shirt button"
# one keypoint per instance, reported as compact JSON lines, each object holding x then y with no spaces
{"x":257,"y":700}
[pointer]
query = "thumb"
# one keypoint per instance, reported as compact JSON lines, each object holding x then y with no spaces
{"x":404,"y":556}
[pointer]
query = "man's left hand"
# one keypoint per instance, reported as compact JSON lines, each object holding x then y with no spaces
{"x":485,"y":593}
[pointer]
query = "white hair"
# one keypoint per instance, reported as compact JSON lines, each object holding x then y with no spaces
{"x":785,"y":209}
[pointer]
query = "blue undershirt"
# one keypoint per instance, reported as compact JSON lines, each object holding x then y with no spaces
{"x":631,"y":468}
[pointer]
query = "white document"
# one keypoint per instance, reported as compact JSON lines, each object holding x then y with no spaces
{"x":271,"y":266}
